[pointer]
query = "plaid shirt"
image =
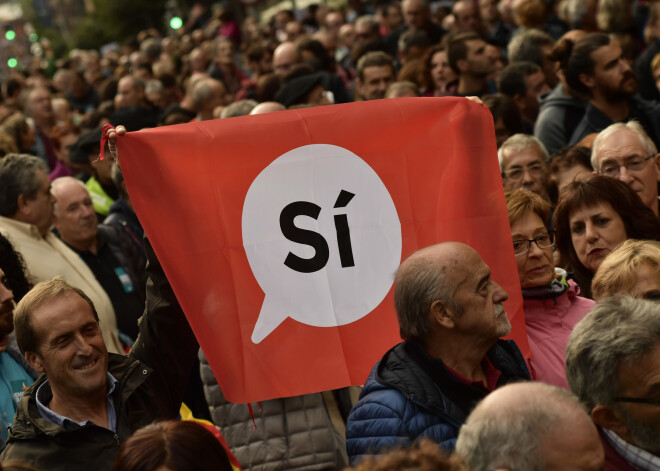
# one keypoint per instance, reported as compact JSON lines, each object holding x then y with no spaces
{"x":635,"y":456}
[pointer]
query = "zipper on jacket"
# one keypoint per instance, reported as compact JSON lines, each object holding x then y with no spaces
{"x":117,"y":439}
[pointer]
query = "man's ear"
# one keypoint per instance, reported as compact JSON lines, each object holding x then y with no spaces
{"x":462,"y":65}
{"x":441,"y":315}
{"x":35,"y":361}
{"x":606,"y":417}
{"x":520,"y":101}
{"x":587,"y":80}
{"x":22,"y":204}
{"x":358,"y":87}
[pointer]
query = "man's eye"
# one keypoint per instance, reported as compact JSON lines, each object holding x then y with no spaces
{"x":609,"y":169}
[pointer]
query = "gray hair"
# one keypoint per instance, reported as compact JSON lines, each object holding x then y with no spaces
{"x":526,"y":46}
{"x":202,"y":91}
{"x":368,"y":20}
{"x":18,"y":176}
{"x":632,"y":126}
{"x":419,"y":282}
{"x":238,"y":108}
{"x":513,"y":437}
{"x":616,"y":331}
{"x":518,"y":142}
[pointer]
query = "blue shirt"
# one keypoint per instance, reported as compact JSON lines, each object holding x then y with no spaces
{"x":14,"y":380}
{"x":44,"y":395}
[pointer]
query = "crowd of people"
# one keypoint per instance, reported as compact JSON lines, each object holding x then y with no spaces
{"x":573,"y":88}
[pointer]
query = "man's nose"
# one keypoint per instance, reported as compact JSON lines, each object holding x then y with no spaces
{"x":500,"y":294}
{"x":624,"y":175}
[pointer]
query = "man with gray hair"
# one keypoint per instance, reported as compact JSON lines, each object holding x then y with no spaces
{"x":530,"y":427}
{"x":523,"y":163}
{"x":26,"y":215}
{"x":452,"y":319}
{"x":613,"y":366}
{"x":624,"y":151}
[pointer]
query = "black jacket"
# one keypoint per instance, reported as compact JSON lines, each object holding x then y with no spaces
{"x":152,"y":381}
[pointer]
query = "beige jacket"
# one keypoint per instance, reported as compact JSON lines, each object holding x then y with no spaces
{"x":48,"y":257}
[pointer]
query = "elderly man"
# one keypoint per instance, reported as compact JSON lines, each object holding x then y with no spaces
{"x":375,"y":74}
{"x":625,"y":152}
{"x":523,"y":164}
{"x":87,"y":402}
{"x":530,"y":426}
{"x":451,"y":319}
{"x":26,"y":213}
{"x":613,"y":366}
{"x":285,"y":56}
{"x":130,"y":92}
{"x":107,"y":252}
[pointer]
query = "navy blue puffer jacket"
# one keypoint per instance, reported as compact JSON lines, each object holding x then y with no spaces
{"x":410,"y":395}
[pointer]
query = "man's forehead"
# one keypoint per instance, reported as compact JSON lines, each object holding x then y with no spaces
{"x":377,"y":71}
{"x":526,"y":156}
{"x":605,"y":54}
{"x":622,"y":143}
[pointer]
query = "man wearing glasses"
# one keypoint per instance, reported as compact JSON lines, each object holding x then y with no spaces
{"x":613,"y":366}
{"x":523,"y":164}
{"x":625,"y":152}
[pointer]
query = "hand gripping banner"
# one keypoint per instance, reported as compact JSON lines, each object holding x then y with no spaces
{"x":281,"y":233}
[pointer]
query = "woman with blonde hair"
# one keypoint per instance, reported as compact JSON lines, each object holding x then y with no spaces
{"x":633,"y":269}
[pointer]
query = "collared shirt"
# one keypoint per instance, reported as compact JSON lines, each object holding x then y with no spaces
{"x":44,"y":395}
{"x":492,"y":376}
{"x":637,"y":457}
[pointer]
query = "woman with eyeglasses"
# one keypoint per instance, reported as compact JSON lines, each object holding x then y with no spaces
{"x":595,"y":216}
{"x":551,"y":303}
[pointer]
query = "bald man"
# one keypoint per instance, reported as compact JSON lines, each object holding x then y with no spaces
{"x":530,"y":426}
{"x":452,"y":319}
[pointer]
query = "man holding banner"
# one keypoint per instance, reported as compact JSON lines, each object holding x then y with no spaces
{"x":451,"y":317}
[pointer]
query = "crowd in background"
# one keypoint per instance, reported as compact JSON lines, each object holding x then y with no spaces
{"x":573,"y":88}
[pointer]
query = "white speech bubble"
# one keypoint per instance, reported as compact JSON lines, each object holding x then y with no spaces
{"x":333,"y":295}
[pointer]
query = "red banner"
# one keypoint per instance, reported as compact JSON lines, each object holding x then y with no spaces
{"x":280,"y":233}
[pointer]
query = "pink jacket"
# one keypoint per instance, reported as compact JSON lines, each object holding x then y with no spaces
{"x":549,"y":323}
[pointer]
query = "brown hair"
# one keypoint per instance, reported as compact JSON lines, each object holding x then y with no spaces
{"x":639,"y":221}
{"x":177,"y":445}
{"x":423,"y":455}
{"x":42,"y":293}
{"x":521,"y":202}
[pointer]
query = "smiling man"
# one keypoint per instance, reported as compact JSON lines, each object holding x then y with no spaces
{"x":106,"y":251}
{"x":87,"y":401}
{"x":625,"y":152}
{"x":452,"y":319}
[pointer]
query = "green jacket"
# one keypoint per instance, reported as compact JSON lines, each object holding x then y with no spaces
{"x":152,"y":381}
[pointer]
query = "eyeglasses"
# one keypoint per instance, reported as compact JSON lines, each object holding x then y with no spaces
{"x":639,"y":400}
{"x":633,"y":164}
{"x":543,"y":241}
{"x":536,"y":170}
